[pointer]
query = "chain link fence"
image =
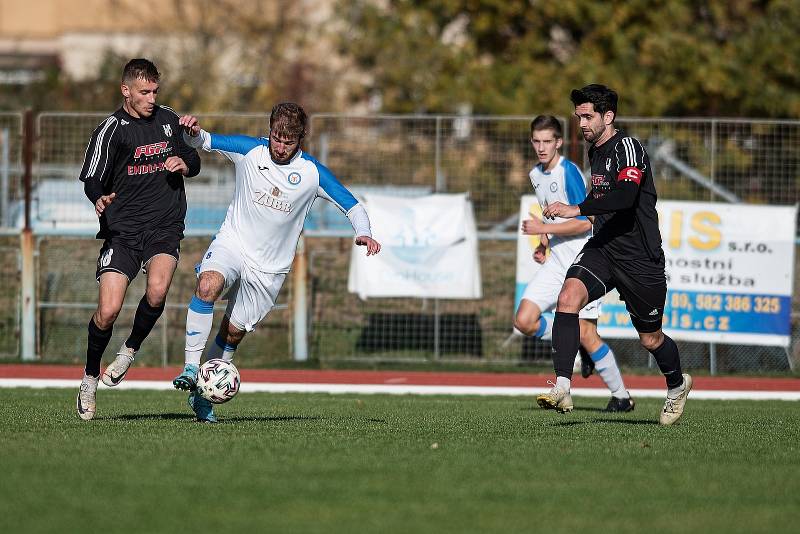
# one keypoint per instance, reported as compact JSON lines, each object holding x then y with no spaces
{"x":488,"y":157}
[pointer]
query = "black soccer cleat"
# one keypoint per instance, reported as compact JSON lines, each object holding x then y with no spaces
{"x":587,"y":364}
{"x":620,"y":405}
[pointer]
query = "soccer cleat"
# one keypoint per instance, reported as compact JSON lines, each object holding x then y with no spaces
{"x":187,"y":380}
{"x":587,"y":364}
{"x":87,"y":403}
{"x":620,"y":405}
{"x":557,"y":399}
{"x":203,"y":409}
{"x":673,"y":406}
{"x":117,"y":369}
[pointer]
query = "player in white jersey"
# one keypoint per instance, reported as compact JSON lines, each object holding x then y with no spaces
{"x":556,"y":179}
{"x":276,"y":184}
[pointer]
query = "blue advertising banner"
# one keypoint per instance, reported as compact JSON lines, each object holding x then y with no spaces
{"x":729,"y":273}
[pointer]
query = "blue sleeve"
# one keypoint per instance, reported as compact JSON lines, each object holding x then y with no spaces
{"x":574,"y":184}
{"x":331,"y":188}
{"x":238,"y":144}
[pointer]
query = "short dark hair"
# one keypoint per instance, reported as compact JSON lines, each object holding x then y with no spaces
{"x":289,"y":120}
{"x":140,"y":68}
{"x":547,"y":122}
{"x":601,"y":97}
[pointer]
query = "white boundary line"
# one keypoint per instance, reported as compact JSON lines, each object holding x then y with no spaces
{"x":391,"y":389}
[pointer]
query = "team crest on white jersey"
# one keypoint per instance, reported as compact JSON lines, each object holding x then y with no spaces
{"x":294,"y":178}
{"x":553,"y":187}
{"x":168,"y":130}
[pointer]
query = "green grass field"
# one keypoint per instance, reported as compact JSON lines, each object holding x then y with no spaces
{"x":363,"y":463}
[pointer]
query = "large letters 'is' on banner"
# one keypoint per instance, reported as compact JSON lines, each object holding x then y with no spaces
{"x":429,"y":249}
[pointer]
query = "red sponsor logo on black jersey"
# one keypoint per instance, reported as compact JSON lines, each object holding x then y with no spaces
{"x":598,"y":179}
{"x":146,"y":168}
{"x":150,"y":150}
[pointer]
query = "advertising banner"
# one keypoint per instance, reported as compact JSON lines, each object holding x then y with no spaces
{"x":429,"y":249}
{"x":729,"y":273}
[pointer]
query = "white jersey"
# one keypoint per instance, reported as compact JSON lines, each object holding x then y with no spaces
{"x":566,"y":184}
{"x":271,"y":200}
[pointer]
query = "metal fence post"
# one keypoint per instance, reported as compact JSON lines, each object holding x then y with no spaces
{"x":5,"y":161}
{"x":299,"y":302}
{"x":440,"y":186}
{"x":712,"y":357}
{"x":28,"y":245}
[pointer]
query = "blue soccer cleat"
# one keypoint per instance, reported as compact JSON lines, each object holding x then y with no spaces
{"x":187,"y":380}
{"x":203,"y":409}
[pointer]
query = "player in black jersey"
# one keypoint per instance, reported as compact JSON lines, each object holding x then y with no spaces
{"x":625,"y":251}
{"x":133,"y":173}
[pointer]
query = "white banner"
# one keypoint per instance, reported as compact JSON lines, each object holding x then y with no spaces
{"x":729,"y":273}
{"x":429,"y":249}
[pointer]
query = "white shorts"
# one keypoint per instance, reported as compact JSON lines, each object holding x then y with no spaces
{"x":545,"y":286}
{"x":251,"y":293}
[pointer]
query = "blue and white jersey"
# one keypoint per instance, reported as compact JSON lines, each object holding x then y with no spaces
{"x":271,"y":200}
{"x":565,"y":183}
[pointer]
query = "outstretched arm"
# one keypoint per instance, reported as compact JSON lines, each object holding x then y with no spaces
{"x":332,"y":190}
{"x":617,"y":199}
{"x":233,"y":147}
{"x":360,"y":221}
{"x":534,"y":226}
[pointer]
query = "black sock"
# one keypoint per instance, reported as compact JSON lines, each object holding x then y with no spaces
{"x":566,"y":340}
{"x":144,"y":321}
{"x":98,"y":341}
{"x":669,"y":362}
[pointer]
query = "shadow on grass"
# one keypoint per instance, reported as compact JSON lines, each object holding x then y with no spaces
{"x":269,"y":418}
{"x":567,"y":423}
{"x":605,"y":420}
{"x":627,"y":421}
{"x":143,"y":416}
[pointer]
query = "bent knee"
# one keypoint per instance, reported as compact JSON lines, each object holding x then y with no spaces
{"x":105,"y":316}
{"x":526,"y":327}
{"x":651,"y":341}
{"x":157,"y":296}
{"x":570,"y":301}
{"x":209,"y":288}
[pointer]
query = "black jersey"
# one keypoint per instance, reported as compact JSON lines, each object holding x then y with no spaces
{"x":126,"y":156}
{"x":623,"y":200}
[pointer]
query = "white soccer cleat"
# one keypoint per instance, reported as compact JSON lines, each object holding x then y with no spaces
{"x":557,"y":399}
{"x":673,"y":406}
{"x":117,"y":369}
{"x":87,"y":403}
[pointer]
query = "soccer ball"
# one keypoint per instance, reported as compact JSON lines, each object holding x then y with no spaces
{"x":218,"y":381}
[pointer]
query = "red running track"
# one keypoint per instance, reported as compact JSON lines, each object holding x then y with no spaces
{"x":417,"y":378}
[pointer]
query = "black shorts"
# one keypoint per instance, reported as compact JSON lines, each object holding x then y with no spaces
{"x":641,"y":283}
{"x":127,"y":255}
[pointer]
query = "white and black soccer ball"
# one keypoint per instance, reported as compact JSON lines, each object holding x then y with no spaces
{"x":218,"y":380}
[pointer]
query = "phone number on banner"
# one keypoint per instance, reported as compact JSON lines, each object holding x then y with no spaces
{"x":715,"y":312}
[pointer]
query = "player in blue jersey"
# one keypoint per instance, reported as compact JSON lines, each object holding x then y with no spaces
{"x":276,"y":184}
{"x":557,"y":179}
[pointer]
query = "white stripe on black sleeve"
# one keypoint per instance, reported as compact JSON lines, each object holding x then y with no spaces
{"x":102,"y":137}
